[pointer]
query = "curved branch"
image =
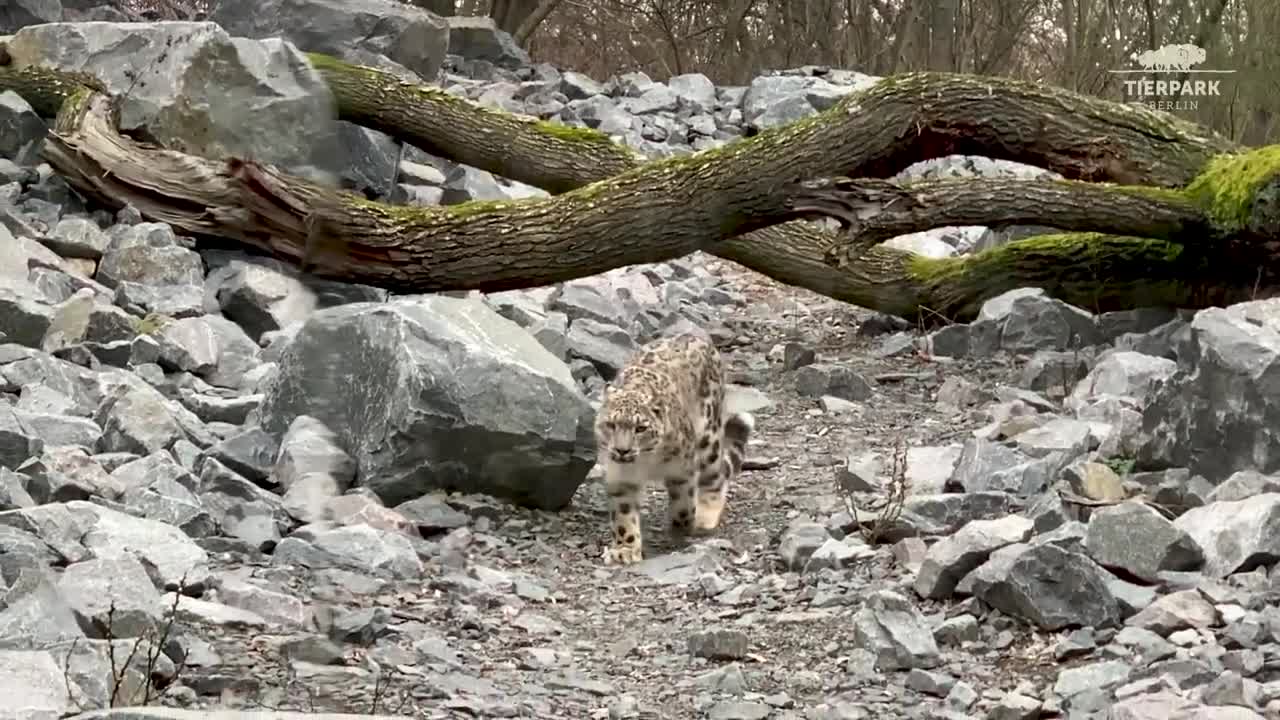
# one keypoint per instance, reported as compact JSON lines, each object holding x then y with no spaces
{"x":873,"y":211}
{"x":531,"y":23}
{"x":546,"y":155}
{"x":638,"y":217}
{"x":874,"y":133}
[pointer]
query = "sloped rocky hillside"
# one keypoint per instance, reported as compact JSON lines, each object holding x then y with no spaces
{"x":228,"y":486}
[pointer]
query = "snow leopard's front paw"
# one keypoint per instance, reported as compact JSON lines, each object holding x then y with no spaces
{"x":623,"y":555}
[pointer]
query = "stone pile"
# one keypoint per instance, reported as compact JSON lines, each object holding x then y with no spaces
{"x":294,"y":493}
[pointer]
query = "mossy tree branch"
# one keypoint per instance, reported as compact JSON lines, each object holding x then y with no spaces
{"x":872,"y":211}
{"x":482,"y":245}
{"x":726,"y":201}
{"x":901,"y":121}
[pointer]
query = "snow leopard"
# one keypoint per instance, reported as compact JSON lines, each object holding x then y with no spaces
{"x":663,"y":417}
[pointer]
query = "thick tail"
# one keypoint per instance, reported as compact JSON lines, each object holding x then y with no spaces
{"x":737,"y":430}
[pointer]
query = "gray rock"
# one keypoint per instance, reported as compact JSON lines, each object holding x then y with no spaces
{"x":1055,"y":372}
{"x":13,"y":492}
{"x":1135,"y":539}
{"x":478,"y":38}
{"x":17,"y":441}
{"x":1094,"y":676}
{"x":1243,"y":485}
{"x":205,"y":612}
{"x":957,"y":630}
{"x":800,"y":541}
{"x":1026,"y":320}
{"x":251,"y":453}
{"x":112,"y":595}
{"x":722,"y":644}
{"x":148,"y":254}
{"x":357,"y":547}
{"x":310,"y":447}
{"x":432,"y":515}
{"x":953,"y":557}
{"x":175,"y":301}
{"x":35,"y":613}
{"x":607,"y":347}
{"x":1235,"y":536}
{"x":20,"y":258}
{"x":989,"y":466}
{"x":169,"y":89}
{"x":164,"y":713}
{"x":1016,"y":706}
{"x":588,"y":300}
{"x":1048,"y":586}
{"x":464,"y":183}
{"x":694,"y":90}
{"x":1235,"y":348}
{"x":478,"y":405}
{"x":260,"y":297}
{"x":32,"y":681}
{"x":138,"y":420}
{"x":889,"y":626}
{"x":62,"y":474}
{"x":776,"y":100}
{"x":1125,"y":374}
{"x":24,"y":320}
{"x":22,"y":131}
{"x":75,"y":237}
{"x":577,"y":86}
{"x":837,"y":381}
{"x":1176,"y":611}
{"x":945,"y":513}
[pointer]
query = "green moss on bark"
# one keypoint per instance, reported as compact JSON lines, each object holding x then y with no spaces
{"x":1068,"y":266}
{"x":1229,"y":184}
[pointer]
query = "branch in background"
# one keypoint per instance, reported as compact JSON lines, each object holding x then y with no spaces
{"x":1209,"y":27}
{"x":531,"y":23}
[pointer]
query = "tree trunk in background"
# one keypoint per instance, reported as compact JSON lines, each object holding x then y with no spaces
{"x":443,"y":8}
{"x":943,"y":34}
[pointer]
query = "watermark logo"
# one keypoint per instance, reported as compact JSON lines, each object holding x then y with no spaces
{"x":1182,"y":92}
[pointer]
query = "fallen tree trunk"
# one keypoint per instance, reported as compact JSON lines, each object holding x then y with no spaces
{"x":720,"y":200}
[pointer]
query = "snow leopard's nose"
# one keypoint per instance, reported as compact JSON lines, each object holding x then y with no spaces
{"x":623,"y":455}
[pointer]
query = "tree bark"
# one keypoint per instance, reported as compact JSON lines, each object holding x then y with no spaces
{"x":535,"y":18}
{"x":873,"y":211}
{"x":727,"y":201}
{"x":487,"y":246}
{"x":884,"y":129}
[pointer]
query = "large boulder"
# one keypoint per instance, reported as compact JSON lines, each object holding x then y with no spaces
{"x":410,"y":36}
{"x":190,"y":85}
{"x":1221,"y":412}
{"x":478,"y":38}
{"x":438,"y":392}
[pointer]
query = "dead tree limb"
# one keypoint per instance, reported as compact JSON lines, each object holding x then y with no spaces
{"x":873,"y":134}
{"x":488,"y":246}
{"x":612,"y":210}
{"x":873,"y":211}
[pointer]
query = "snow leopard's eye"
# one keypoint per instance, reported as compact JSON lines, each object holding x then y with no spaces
{"x":641,"y":427}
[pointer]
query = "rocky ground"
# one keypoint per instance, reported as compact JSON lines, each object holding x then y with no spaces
{"x":227,"y":486}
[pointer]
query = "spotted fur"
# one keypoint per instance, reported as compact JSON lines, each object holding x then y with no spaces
{"x":663,"y":417}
